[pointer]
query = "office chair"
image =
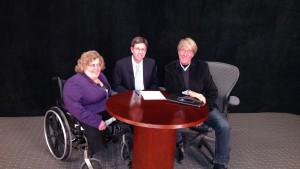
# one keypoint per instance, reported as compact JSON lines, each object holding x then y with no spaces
{"x":225,"y":77}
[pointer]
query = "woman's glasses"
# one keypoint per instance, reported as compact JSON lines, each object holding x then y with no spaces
{"x":95,"y":65}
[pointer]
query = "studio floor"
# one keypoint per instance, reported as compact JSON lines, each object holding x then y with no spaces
{"x":258,"y":140}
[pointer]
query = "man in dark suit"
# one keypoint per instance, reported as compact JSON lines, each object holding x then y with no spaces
{"x":192,"y":77}
{"x":135,"y":72}
{"x":125,"y":72}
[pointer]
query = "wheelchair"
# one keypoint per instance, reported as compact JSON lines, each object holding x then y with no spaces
{"x":64,"y":133}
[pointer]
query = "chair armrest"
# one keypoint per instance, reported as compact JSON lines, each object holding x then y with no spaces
{"x":233,"y":101}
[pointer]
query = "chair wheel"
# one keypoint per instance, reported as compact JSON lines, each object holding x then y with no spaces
{"x":94,"y":163}
{"x":211,"y":162}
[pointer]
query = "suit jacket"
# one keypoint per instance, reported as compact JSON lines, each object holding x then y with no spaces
{"x":123,"y":76}
{"x":200,"y":80}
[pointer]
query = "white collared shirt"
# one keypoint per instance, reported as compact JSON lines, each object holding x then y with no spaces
{"x":134,"y":66}
{"x":140,"y":67}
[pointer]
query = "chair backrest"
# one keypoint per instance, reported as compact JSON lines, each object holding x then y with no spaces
{"x":225,"y":77}
{"x":60,"y":82}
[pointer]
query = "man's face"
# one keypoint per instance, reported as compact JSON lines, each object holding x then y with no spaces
{"x":185,"y":56}
{"x":138,"y":52}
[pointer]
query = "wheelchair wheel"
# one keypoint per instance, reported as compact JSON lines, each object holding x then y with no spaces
{"x":125,"y":150}
{"x":94,"y":164}
{"x":57,"y":133}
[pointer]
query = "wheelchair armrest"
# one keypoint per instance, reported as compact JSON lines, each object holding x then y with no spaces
{"x":233,"y":101}
{"x":113,"y":92}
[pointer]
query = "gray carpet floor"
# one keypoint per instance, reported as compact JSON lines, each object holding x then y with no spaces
{"x":258,"y":140}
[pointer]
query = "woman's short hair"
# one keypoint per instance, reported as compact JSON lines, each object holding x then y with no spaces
{"x":187,"y":43}
{"x":139,"y":39}
{"x":87,"y":58}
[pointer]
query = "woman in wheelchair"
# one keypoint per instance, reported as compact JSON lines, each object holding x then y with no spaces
{"x":85,"y":95}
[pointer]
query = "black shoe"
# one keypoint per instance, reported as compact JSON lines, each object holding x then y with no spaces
{"x":130,"y":165}
{"x":181,"y":153}
{"x":219,"y":166}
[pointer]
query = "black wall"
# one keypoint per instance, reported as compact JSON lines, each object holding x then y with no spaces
{"x":42,"y":39}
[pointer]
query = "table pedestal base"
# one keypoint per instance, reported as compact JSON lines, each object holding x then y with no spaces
{"x":153,"y":148}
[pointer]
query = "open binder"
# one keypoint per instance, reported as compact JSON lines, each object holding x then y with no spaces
{"x":187,"y":100}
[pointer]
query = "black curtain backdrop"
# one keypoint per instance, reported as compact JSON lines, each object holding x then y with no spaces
{"x":43,"y":39}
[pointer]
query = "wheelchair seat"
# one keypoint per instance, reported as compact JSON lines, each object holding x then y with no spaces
{"x":225,"y":77}
{"x":63,"y":132}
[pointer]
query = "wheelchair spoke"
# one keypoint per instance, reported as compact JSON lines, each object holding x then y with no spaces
{"x":52,"y":121}
{"x":59,"y":144}
{"x":50,"y":134}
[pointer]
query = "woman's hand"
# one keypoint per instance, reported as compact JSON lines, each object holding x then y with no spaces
{"x":102,"y":125}
{"x":197,"y":95}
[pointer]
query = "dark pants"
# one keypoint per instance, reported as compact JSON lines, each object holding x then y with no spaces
{"x":95,"y":137}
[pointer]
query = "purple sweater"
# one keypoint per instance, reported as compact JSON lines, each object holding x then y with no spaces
{"x":83,"y":98}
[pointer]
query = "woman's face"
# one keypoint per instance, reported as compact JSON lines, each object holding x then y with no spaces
{"x":185,"y":55}
{"x":93,"y":69}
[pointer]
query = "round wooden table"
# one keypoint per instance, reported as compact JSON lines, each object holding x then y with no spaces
{"x":154,"y":123}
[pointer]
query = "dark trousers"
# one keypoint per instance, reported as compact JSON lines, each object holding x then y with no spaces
{"x":95,"y":137}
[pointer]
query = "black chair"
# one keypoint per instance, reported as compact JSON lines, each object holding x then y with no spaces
{"x":225,"y":77}
{"x":63,"y":132}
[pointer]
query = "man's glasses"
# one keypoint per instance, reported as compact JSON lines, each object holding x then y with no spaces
{"x":185,"y":51}
{"x":140,"y":49}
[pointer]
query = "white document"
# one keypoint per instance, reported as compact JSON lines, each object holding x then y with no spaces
{"x":152,"y":95}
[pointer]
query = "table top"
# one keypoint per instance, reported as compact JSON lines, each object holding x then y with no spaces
{"x":133,"y":109}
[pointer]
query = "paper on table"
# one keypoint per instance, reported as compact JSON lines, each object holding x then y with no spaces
{"x":152,"y":95}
